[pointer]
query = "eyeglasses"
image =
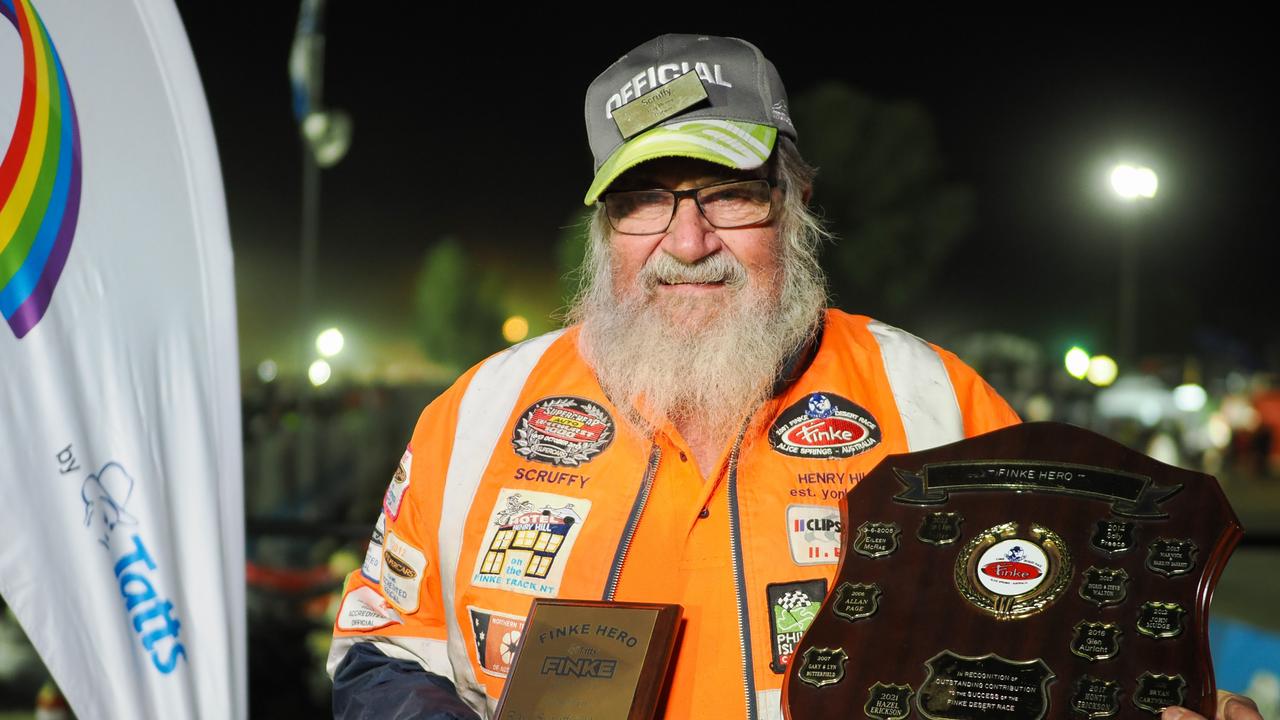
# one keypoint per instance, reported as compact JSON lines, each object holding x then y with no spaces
{"x":732,"y":204}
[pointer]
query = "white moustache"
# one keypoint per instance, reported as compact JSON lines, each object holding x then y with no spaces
{"x":663,"y":269}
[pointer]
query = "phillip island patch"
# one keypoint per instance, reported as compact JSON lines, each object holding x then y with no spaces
{"x":824,"y":425}
{"x":792,"y":608}
{"x":566,"y":431}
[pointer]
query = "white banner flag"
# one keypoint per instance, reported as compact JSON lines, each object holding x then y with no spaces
{"x":122,"y":546}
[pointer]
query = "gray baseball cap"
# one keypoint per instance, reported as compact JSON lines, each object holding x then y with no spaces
{"x":712,"y":98}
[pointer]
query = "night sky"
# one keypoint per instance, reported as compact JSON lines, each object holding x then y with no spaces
{"x":474,"y":129}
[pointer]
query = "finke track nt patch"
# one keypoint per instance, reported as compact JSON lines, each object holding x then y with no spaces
{"x":824,"y":425}
{"x":566,"y":431}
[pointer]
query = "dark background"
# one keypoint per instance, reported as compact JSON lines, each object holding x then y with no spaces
{"x":472,"y":128}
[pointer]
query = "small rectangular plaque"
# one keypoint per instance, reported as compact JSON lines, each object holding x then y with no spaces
{"x":590,"y":660}
{"x":659,"y":104}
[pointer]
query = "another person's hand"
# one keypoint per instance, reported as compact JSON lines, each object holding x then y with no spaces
{"x":1230,"y":707}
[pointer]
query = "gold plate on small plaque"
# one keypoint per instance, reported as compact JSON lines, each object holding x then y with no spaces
{"x":590,"y":660}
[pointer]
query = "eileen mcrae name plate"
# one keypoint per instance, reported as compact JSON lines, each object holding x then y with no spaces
{"x":587,"y":660}
{"x":1040,"y":571}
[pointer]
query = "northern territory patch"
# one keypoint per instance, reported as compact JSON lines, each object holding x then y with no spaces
{"x":792,"y":608}
{"x":565,"y":431}
{"x":364,"y":609}
{"x":824,"y":425}
{"x":403,"y":567}
{"x":398,"y":486}
{"x":528,"y":541}
{"x":496,"y":636}
{"x":813,"y":532}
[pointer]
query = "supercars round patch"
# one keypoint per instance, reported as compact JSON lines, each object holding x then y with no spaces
{"x":566,"y":431}
{"x":824,"y":425}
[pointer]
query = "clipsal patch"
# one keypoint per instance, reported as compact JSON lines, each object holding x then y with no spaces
{"x":398,"y":486}
{"x":813,"y":532}
{"x":528,"y":541}
{"x":403,"y":566}
{"x":565,"y":431}
{"x":496,"y":635}
{"x":372,"y":567}
{"x":792,"y":608}
{"x":363,"y":609}
{"x":824,"y":425}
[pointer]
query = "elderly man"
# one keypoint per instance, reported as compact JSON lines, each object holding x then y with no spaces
{"x":678,"y":443}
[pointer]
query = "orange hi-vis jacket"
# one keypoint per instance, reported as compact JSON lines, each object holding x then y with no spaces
{"x":524,"y":481}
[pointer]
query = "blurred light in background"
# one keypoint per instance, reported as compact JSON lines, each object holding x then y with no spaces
{"x":1077,"y":362}
{"x":1189,"y":397}
{"x":1132,"y":182}
{"x":319,"y":372}
{"x":515,"y":329}
{"x":267,"y":370}
{"x":1219,"y":431}
{"x":1039,"y":408}
{"x":330,"y":342}
{"x":1102,"y":370}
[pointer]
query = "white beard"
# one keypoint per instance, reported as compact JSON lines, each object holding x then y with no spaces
{"x":710,"y":371}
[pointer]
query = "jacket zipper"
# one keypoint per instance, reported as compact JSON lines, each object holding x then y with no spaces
{"x":739,"y":581}
{"x":637,"y":509}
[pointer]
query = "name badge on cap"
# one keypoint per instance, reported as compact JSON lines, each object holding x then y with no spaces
{"x":659,"y":104}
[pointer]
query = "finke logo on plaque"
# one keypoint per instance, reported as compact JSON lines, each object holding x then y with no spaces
{"x":1045,"y":572}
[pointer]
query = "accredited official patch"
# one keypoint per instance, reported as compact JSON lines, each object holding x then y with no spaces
{"x":824,"y":425}
{"x":497,"y":635}
{"x":792,"y":608}
{"x":372,"y":567}
{"x":566,"y":431}
{"x":399,"y":486}
{"x":403,"y":566}
{"x":813,"y":532}
{"x":363,"y":609}
{"x":528,"y":541}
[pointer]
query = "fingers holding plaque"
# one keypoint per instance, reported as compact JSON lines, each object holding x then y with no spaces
{"x":1040,"y":571}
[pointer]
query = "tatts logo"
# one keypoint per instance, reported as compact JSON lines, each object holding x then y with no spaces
{"x":792,"y":608}
{"x":528,"y":542}
{"x":565,"y":431}
{"x":497,"y":636}
{"x":824,"y":426}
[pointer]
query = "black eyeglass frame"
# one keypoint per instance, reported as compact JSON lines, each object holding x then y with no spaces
{"x":693,"y":193}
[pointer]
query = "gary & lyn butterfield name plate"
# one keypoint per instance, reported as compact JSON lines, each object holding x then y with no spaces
{"x":1040,"y":571}
{"x":590,"y":660}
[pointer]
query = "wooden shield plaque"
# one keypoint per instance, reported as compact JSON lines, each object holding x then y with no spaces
{"x":1039,"y":571}
{"x":591,"y":660}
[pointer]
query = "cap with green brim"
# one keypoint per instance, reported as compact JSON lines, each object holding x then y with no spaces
{"x":738,"y":145}
{"x":710,"y":98}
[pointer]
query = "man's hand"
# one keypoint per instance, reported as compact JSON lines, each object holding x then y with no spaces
{"x":1230,"y":707}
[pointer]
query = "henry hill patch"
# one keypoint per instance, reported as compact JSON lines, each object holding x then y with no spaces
{"x":824,"y":425}
{"x":528,"y":541}
{"x":566,"y":431}
{"x":792,"y":608}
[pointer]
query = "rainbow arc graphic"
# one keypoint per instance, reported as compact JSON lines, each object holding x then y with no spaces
{"x":39,"y":177}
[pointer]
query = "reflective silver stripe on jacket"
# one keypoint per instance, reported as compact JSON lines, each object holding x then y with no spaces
{"x":483,"y":412}
{"x":921,"y":388}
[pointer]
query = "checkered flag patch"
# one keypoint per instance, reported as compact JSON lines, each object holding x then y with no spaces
{"x":793,"y":600}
